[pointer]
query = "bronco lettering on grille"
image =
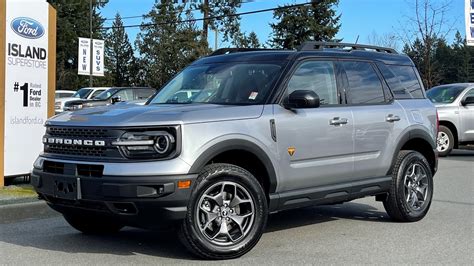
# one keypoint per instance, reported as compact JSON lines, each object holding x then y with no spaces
{"x":76,"y":142}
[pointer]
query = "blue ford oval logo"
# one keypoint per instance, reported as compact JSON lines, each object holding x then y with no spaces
{"x":27,"y":28}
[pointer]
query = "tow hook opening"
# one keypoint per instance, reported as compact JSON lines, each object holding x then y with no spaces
{"x":123,"y":208}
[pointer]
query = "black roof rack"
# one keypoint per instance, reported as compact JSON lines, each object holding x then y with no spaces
{"x":311,"y":46}
{"x":236,"y":50}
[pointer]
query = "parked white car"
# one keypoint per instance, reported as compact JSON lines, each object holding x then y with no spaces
{"x":84,"y":93}
{"x":63,"y":94}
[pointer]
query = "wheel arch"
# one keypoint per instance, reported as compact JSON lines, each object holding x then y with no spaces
{"x":453,"y":129}
{"x":420,"y":141}
{"x":242,"y":153}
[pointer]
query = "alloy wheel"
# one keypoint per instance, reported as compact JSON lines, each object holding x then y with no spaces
{"x":416,"y":186}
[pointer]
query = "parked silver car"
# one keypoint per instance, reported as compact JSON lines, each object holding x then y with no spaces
{"x":455,"y":104}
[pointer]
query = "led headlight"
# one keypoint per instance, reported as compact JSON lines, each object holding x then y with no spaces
{"x":146,"y":144}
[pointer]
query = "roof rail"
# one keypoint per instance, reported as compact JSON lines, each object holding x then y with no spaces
{"x":223,"y":51}
{"x":310,"y":46}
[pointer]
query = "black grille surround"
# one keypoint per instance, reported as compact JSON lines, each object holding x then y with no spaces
{"x":108,"y":135}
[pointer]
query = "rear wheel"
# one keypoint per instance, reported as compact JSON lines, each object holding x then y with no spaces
{"x":411,"y":191}
{"x":445,"y":141}
{"x":93,"y":224}
{"x":226,"y":215}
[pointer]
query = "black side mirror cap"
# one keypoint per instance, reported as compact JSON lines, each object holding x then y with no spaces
{"x":302,"y":99}
{"x":116,"y":99}
{"x":468,"y":100}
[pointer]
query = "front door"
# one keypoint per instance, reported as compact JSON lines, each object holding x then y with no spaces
{"x":466,"y":114}
{"x":315,"y":145}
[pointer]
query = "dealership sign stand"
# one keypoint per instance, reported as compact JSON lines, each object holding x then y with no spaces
{"x":469,"y":9}
{"x":27,"y":81}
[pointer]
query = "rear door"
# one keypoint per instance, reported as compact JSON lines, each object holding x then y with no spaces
{"x":466,"y":114}
{"x":378,"y":120}
{"x":315,"y":145}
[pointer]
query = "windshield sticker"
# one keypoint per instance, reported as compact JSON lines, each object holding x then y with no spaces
{"x":253,"y":95}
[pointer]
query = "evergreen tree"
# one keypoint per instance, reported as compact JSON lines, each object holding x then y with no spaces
{"x":72,"y":23}
{"x":121,"y":63}
{"x":168,"y":46}
{"x":315,"y":22}
{"x":241,"y":40}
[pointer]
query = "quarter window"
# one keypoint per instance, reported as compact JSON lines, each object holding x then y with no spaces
{"x":317,"y":76}
{"x":364,"y":84}
{"x":403,"y":82}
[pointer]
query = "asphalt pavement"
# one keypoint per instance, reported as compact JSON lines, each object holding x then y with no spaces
{"x":358,"y":232}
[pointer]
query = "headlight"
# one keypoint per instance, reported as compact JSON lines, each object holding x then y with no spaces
{"x":76,"y":107}
{"x":57,"y":105}
{"x":146,"y":144}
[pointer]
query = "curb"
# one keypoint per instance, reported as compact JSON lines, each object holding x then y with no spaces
{"x":12,"y":213}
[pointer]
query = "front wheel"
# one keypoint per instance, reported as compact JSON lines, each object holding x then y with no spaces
{"x":226,"y":215}
{"x":411,"y":191}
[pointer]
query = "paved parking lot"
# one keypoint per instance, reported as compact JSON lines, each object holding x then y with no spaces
{"x":358,"y":232}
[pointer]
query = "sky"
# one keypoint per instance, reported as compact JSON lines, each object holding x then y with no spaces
{"x":359,"y":18}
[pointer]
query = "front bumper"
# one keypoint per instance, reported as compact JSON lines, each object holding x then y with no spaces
{"x":140,"y":201}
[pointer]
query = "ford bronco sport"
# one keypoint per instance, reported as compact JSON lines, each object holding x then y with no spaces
{"x":267,"y":130}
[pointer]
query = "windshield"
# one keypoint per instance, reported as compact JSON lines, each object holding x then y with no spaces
{"x":224,"y":83}
{"x":82,"y":93}
{"x":444,"y":94}
{"x":106,"y":94}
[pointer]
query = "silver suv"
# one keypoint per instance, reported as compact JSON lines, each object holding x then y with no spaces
{"x":265,"y":131}
{"x":455,"y":104}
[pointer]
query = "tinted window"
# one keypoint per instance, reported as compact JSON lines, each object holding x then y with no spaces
{"x":97,"y":92}
{"x":364,"y":84}
{"x":82,"y":93}
{"x":125,"y":95}
{"x":403,"y":82}
{"x":444,"y":94}
{"x":469,"y":93}
{"x":143,"y":94}
{"x":317,"y":76}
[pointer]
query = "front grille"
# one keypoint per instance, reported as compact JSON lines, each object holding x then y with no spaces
{"x":77,"y":150}
{"x":53,"y":167}
{"x":83,"y":133}
{"x":77,"y":132}
{"x":90,"y":170}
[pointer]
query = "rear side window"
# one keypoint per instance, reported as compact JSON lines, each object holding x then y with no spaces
{"x":403,"y":82}
{"x":364,"y":86}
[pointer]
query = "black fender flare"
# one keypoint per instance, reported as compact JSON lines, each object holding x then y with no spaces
{"x":415,"y":133}
{"x":236,"y":144}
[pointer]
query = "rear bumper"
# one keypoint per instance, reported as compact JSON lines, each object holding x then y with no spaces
{"x":140,"y":201}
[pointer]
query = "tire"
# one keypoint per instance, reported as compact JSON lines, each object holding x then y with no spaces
{"x":213,"y":209}
{"x":445,"y":141}
{"x":92,"y":224}
{"x":411,"y":176}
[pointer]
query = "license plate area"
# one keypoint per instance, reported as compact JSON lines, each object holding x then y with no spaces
{"x":66,"y":188}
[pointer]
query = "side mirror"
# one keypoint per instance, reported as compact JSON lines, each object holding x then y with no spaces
{"x":468,"y":100}
{"x":116,"y":99}
{"x":302,"y":99}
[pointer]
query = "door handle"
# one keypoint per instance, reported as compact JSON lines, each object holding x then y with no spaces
{"x":336,"y":121}
{"x":392,"y":118}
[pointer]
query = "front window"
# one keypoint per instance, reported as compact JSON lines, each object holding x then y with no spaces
{"x":223,"y":83}
{"x":444,"y":94}
{"x":82,"y":93}
{"x":106,"y":94}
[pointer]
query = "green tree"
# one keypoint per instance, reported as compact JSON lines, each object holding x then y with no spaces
{"x":72,"y":23}
{"x":228,"y":24}
{"x":168,"y":46}
{"x":241,"y":40}
{"x":121,"y":63}
{"x":315,"y":22}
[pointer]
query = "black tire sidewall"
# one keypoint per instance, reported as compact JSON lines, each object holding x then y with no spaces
{"x":451,"y":141}
{"x":245,"y":179}
{"x":408,"y":160}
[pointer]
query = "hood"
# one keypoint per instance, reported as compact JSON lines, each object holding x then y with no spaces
{"x":66,"y":99}
{"x":128,"y":115}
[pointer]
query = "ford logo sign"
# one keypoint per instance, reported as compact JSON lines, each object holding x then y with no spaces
{"x":27,"y":28}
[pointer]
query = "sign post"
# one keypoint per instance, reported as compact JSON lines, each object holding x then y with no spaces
{"x":27,"y":81}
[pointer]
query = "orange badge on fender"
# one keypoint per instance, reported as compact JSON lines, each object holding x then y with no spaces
{"x":291,"y":151}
